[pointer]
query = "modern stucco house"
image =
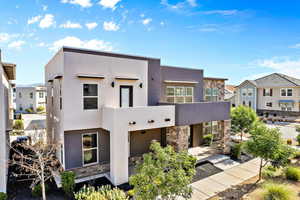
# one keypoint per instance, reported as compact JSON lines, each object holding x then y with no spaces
{"x":276,"y":93}
{"x":7,"y":74}
{"x":104,"y":109}
{"x":30,"y":97}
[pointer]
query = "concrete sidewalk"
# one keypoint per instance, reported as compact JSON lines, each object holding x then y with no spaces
{"x":213,"y":185}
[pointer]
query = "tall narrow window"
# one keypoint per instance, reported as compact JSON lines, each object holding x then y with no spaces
{"x":20,"y":95}
{"x":41,"y":94}
{"x":90,"y":148}
{"x":31,"y":95}
{"x":90,"y":96}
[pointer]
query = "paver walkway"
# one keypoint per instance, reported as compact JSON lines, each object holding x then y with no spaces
{"x":213,"y":185}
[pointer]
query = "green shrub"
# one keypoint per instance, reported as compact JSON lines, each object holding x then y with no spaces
{"x":236,"y":151}
{"x":18,"y":124}
{"x":298,"y":128}
{"x":29,"y":110}
{"x":296,"y":155}
{"x":298,"y":138}
{"x":269,"y":172}
{"x":292,"y":173}
{"x":207,"y":139}
{"x":3,"y":196}
{"x":40,"y":109}
{"x":101,"y":193}
{"x":68,"y":182}
{"x":37,"y":190}
{"x":275,"y":191}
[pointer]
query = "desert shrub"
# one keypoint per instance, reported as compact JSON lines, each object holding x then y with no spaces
{"x":207,"y":139}
{"x":298,"y":128}
{"x":3,"y":196}
{"x":29,"y":110}
{"x":18,"y":124}
{"x":296,"y":155}
{"x":68,"y":182}
{"x":40,"y":109}
{"x":37,"y":190}
{"x":101,"y":193}
{"x":236,"y":151}
{"x":269,"y":172}
{"x":289,"y":141}
{"x":292,"y":173}
{"x":273,"y":191}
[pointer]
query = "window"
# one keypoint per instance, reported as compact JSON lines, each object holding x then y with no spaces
{"x":41,"y":94}
{"x":31,"y":106}
{"x":90,"y":148}
{"x":90,"y":96}
{"x":249,"y":103}
{"x":20,"y":107}
{"x":31,"y":95}
{"x":244,"y":92}
{"x":60,"y":98}
{"x":269,"y":104}
{"x":268,"y":92}
{"x":178,"y":94}
{"x":244,"y":103}
{"x":211,"y":94}
{"x":20,"y":95}
{"x":250,"y":92}
{"x":286,"y":92}
{"x":211,"y":128}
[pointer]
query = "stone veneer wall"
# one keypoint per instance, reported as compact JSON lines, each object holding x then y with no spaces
{"x":220,"y":84}
{"x":225,"y":126}
{"x":178,"y":136}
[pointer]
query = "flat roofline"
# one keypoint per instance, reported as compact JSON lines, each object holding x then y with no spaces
{"x":177,"y":67}
{"x":215,"y":78}
{"x":105,"y":53}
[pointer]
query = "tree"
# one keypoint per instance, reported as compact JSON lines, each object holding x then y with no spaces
{"x":267,"y":144}
{"x":163,"y":173}
{"x":243,"y":119}
{"x":18,"y":124}
{"x":35,"y":162}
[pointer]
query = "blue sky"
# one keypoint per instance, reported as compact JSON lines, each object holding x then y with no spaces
{"x":236,"y":39}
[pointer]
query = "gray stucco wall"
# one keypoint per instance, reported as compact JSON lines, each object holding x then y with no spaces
{"x":154,"y":82}
{"x":183,"y":74}
{"x":73,"y":147}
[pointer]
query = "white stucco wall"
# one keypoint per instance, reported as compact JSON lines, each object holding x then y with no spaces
{"x":25,"y":101}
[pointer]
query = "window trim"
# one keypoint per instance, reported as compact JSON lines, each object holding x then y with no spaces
{"x":83,"y":150}
{"x":82,"y":96}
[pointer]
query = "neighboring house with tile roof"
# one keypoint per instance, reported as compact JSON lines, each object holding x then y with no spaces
{"x":276,"y":93}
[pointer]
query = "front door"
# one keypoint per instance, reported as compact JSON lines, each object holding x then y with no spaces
{"x":126,"y":96}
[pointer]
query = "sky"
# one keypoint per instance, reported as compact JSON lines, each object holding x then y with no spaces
{"x":234,"y":39}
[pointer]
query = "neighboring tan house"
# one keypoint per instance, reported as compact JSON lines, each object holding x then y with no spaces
{"x":275,"y":94}
{"x":30,"y":97}
{"x":7,"y":74}
{"x":104,"y":109}
{"x":230,"y":94}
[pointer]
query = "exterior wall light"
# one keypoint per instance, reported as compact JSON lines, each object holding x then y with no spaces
{"x":167,"y":119}
{"x":143,"y":132}
{"x":132,"y":123}
{"x":151,"y":121}
{"x":141,"y":85}
{"x":112,"y":84}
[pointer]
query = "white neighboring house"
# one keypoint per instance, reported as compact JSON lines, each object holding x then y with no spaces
{"x":7,"y":74}
{"x":30,"y":97}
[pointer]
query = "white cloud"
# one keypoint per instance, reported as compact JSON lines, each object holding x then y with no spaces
{"x":82,"y":3}
{"x":176,"y":6}
{"x":70,"y":24}
{"x":16,"y":44}
{"x":296,"y":46}
{"x":91,"y":25}
{"x":192,"y":3}
{"x":47,"y":21}
{"x":142,"y":15}
{"x":284,"y":65}
{"x":34,"y":19}
{"x":76,"y":42}
{"x":5,"y":37}
{"x":146,"y":21}
{"x":162,"y":23}
{"x":42,"y":44}
{"x":110,"y":26}
{"x":220,"y":12}
{"x":109,"y":3}
{"x":45,"y":7}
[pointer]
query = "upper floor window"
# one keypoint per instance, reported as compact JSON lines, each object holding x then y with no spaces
{"x":31,"y":95}
{"x":178,"y":94}
{"x":41,"y":94}
{"x":268,"y":92}
{"x":211,"y":94}
{"x":20,"y":95}
{"x":286,"y":92}
{"x":90,"y":96}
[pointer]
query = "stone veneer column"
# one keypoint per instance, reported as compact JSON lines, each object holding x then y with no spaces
{"x":178,"y":136}
{"x":225,"y":134}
